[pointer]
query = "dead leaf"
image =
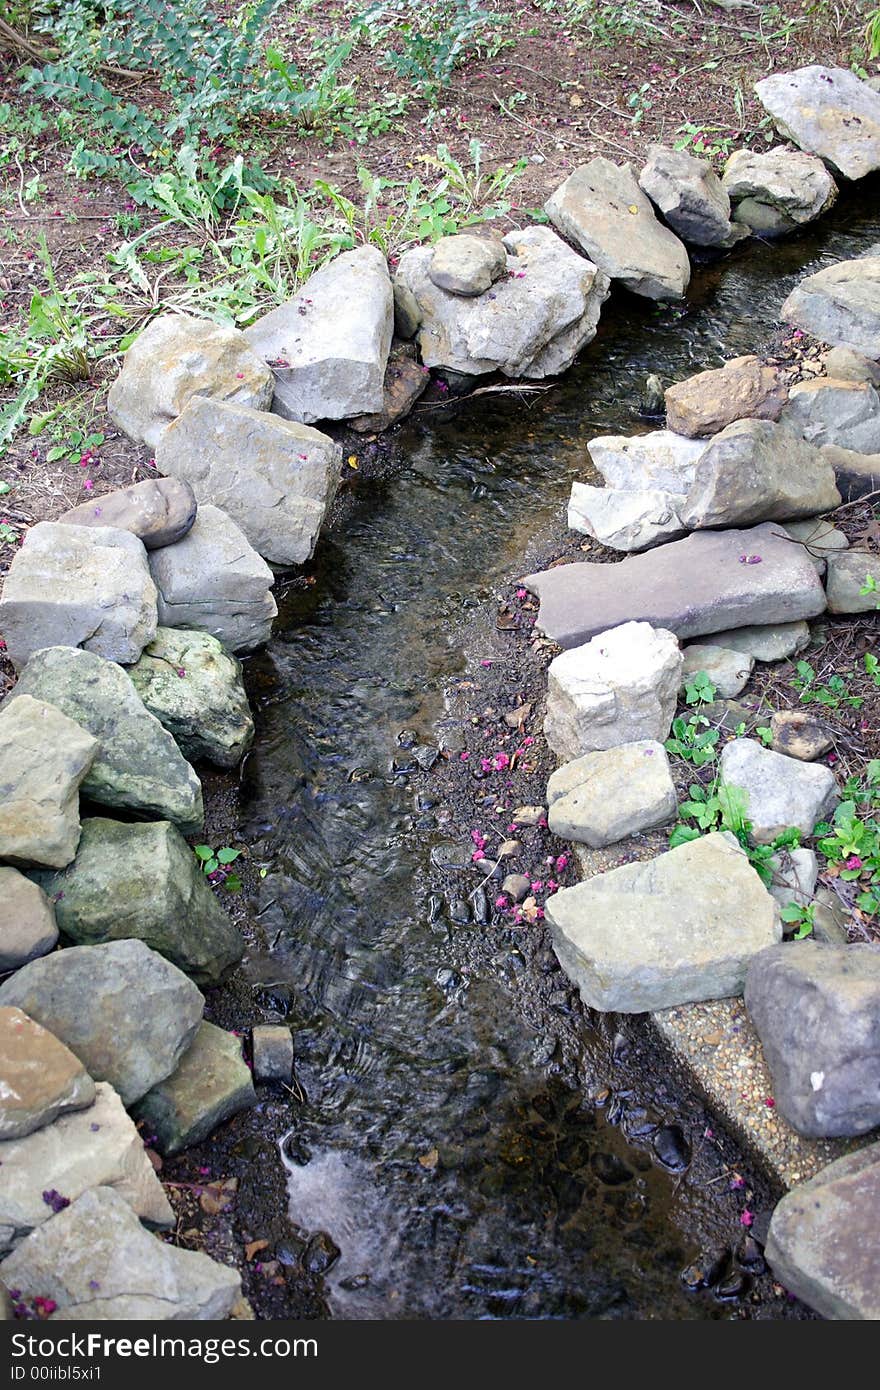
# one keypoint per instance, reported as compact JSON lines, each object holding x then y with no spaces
{"x":430,"y":1159}
{"x":505,"y":620}
{"x":218,"y":1196}
{"x":254,"y":1247}
{"x":575,"y":100}
{"x":516,"y":718}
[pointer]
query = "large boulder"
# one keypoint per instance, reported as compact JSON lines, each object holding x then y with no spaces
{"x":144,"y":882}
{"x":215,"y":581}
{"x":126,"y":1012}
{"x":78,"y":586}
{"x":275,"y":478}
{"x":744,"y":388}
{"x":196,"y":691}
{"x":27,"y":920}
{"x":159,"y":511}
{"x":755,"y":470}
{"x":40,"y":1078}
{"x":619,"y":688}
{"x":210,"y":1084}
{"x":690,"y":196}
{"x":623,"y":519}
{"x":468,"y":263}
{"x":853,"y":582}
{"x":778,"y":191}
{"x":843,"y":413}
{"x":667,"y":931}
{"x":705,"y":583}
{"x":176,"y":357}
{"x":532,"y":323}
{"x":95,"y":1262}
{"x":779,"y":793}
{"x":824,"y":1243}
{"x":328,"y":346}
{"x":44,"y":757}
{"x":137,"y":766}
{"x":660,"y":460}
{"x":603,"y":797}
{"x":816,"y":1008}
{"x":601,"y":208}
{"x":97,"y":1147}
{"x":828,"y":112}
{"x":840,"y":305}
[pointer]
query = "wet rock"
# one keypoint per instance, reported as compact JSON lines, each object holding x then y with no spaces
{"x":703,"y":1272}
{"x":543,"y":1051}
{"x":744,"y":388}
{"x":601,"y":208}
{"x":516,"y":886}
{"x":671,"y":1148}
{"x":459,"y":912}
{"x":727,"y":669}
{"x":755,"y":470}
{"x":405,"y":380}
{"x":159,"y":511}
{"x":625,"y":520}
{"x":844,"y":413}
{"x":690,"y":195}
{"x":272,"y":1046}
{"x":732,"y":1287}
{"x":27,"y":920}
{"x":480,"y":907}
{"x":795,"y":872}
{"x":853,"y":582}
{"x":779,"y":793}
{"x":40,"y":1078}
{"x":840,"y":304}
{"x":174,"y":358}
{"x":651,"y":405}
{"x":610,"y":1169}
{"x":110,"y":610}
{"x":799,"y":735}
{"x":320,"y":1254}
{"x":44,"y":757}
{"x":210,"y":1084}
{"x":449,"y":855}
{"x":407,"y":314}
{"x":778,"y":191}
{"x":329,"y":345}
{"x":772,"y":642}
{"x":601,"y":798}
{"x":827,"y":112}
{"x":660,"y":461}
{"x":749,"y":1255}
{"x":467,"y":264}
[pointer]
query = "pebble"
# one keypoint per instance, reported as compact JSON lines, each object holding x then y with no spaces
{"x":480,"y":907}
{"x":516,"y":886}
{"x":459,"y":911}
{"x":749,"y":1255}
{"x":543,"y":1050}
{"x":733,"y":1286}
{"x":448,"y":855}
{"x":671,"y":1148}
{"x":435,"y":907}
{"x":527,"y":816}
{"x":611,"y":1170}
{"x":321,"y":1253}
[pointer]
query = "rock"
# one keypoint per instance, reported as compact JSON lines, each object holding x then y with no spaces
{"x":842,"y":364}
{"x":159,"y":511}
{"x":210,"y":1084}
{"x":625,"y":520}
{"x":850,"y":573}
{"x":755,"y":470}
{"x":137,"y":765}
{"x":690,"y":196}
{"x":703,"y":584}
{"x":532,"y":323}
{"x":795,"y":872}
{"x":143,"y":882}
{"x":275,"y":478}
{"x":407,"y":314}
{"x":109,"y":610}
{"x":780,"y":793}
{"x":405,"y":380}
{"x":44,"y":757}
{"x":328,"y":346}
{"x":95,"y":1261}
{"x":602,"y":797}
{"x":799,"y":735}
{"x":97,"y":1147}
{"x":214,"y":581}
{"x":658,"y":461}
{"x":195,"y":690}
{"x":619,"y":688}
{"x":855,"y":474}
{"x":840,"y":305}
{"x":830,"y":918}
{"x":40,"y":1078}
{"x":601,"y":208}
{"x":27,"y":920}
{"x":823,"y":1244}
{"x":816,"y":1009}
{"x":176,"y":357}
{"x":528,"y":816}
{"x":820,"y":538}
{"x":845,"y":413}
{"x":272,"y":1046}
{"x":126,"y":1013}
{"x":728,"y":670}
{"x":668,"y":931}
{"x":467,"y":264}
{"x":517,"y":887}
{"x":744,"y":388}
{"x":778,"y":191}
{"x":766,"y":643}
{"x":827,"y":112}
{"x":671,"y":1149}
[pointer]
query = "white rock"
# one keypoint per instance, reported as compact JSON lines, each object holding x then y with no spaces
{"x":779,"y":793}
{"x":658,"y":461}
{"x":625,"y":520}
{"x":795,"y":872}
{"x":845,"y":413}
{"x":603,"y":797}
{"x":828,"y":112}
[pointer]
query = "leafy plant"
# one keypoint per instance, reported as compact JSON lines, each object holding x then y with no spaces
{"x":832,"y":694}
{"x":693,"y":739}
{"x":801,"y":915}
{"x":699,"y":689}
{"x":851,"y":844}
{"x":433,"y":38}
{"x":216,"y":866}
{"x":77,"y":445}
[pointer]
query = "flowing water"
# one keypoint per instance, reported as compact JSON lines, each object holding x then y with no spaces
{"x":406,"y":1053}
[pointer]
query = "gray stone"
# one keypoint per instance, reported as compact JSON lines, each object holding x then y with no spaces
{"x":618,"y":688}
{"x":625,"y":520}
{"x":144,"y":882}
{"x":328,"y":346}
{"x":27,"y":920}
{"x":842,"y":364}
{"x":744,"y":388}
{"x":407,"y":314}
{"x":845,"y":413}
{"x":667,"y":931}
{"x":126,"y":1012}
{"x":690,"y":195}
{"x":467,"y":264}
{"x":728,"y":669}
{"x":779,"y":190}
{"x":44,"y":757}
{"x":755,"y":470}
{"x":601,"y":208}
{"x":823,"y":1244}
{"x":213,"y":580}
{"x":840,"y":305}
{"x":78,"y":586}
{"x":795,"y":872}
{"x":195,"y":690}
{"x":779,"y":793}
{"x":799,"y":734}
{"x":816,"y":1009}
{"x":138,"y":766}
{"x":856,"y":474}
{"x":849,"y":573}
{"x":176,"y":357}
{"x":210,"y":1084}
{"x":97,"y":1147}
{"x":517,"y":887}
{"x":827,"y":112}
{"x":405,"y":380}
{"x":532,"y":323}
{"x":703,"y":584}
{"x":766,"y":643}
{"x":96,"y":1262}
{"x":658,"y":461}
{"x":40,"y":1079}
{"x":602,"y":797}
{"x":159,"y":511}
{"x":275,"y":478}
{"x":272,"y":1045}
{"x":830,"y":918}
{"x":821,"y":538}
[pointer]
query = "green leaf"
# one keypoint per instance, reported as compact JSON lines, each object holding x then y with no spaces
{"x":203,"y":852}
{"x":682,"y":834}
{"x":227,"y":855}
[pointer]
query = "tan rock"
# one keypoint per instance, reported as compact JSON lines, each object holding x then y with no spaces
{"x":40,"y":1078}
{"x":27,"y":920}
{"x":44,"y":757}
{"x":744,"y":388}
{"x":799,"y":735}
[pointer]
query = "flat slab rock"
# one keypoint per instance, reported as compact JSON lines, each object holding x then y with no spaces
{"x":602,"y":797}
{"x":623,"y":519}
{"x":708,"y":582}
{"x":828,"y":112}
{"x":666,"y":931}
{"x":27,"y":920}
{"x":779,"y":792}
{"x":773,"y":642}
{"x":159,"y":511}
{"x":840,"y":305}
{"x":40,"y":1078}
{"x":210,"y":1084}
{"x":744,"y":388}
{"x":44,"y":757}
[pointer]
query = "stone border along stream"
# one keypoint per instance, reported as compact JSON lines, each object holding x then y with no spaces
{"x":124,"y":620}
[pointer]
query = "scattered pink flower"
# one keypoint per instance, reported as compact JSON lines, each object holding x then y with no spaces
{"x":746,"y":1218}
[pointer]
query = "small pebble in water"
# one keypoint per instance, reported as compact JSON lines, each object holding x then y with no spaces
{"x":749,"y":1256}
{"x":296,"y":1151}
{"x":435,"y":907}
{"x":354,"y":1282}
{"x":733,"y":1286}
{"x":321,"y":1253}
{"x":671,"y":1148}
{"x":480,"y":906}
{"x":610,"y":1169}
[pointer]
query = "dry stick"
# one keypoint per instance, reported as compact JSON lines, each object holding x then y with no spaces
{"x":12,"y":39}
